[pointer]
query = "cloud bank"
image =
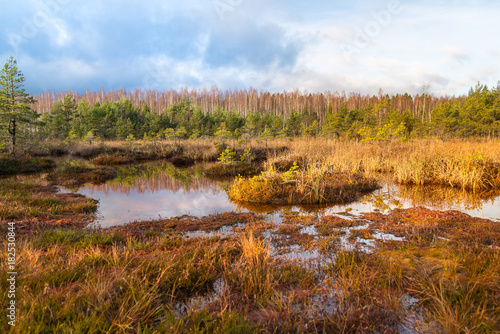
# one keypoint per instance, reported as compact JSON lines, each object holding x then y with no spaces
{"x":273,"y":45}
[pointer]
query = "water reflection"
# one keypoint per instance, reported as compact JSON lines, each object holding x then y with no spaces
{"x":153,"y":190}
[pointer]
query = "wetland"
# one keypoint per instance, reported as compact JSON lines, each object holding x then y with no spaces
{"x":155,"y":247}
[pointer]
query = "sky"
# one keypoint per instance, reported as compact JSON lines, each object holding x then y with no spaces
{"x":441,"y":47}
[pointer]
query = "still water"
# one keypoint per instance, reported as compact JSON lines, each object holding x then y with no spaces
{"x":153,"y":190}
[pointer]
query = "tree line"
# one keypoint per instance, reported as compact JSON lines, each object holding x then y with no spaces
{"x":122,"y":115}
{"x":477,"y":114}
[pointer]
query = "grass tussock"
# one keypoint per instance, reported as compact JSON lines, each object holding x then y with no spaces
{"x":110,"y":160}
{"x":77,"y":172}
{"x":307,"y":187}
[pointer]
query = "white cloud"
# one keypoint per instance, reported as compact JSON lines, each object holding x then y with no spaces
{"x":271,"y":45}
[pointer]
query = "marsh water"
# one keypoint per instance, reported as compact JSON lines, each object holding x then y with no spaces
{"x":159,"y":190}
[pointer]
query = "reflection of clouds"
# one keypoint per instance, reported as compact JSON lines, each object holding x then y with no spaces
{"x":122,"y":208}
{"x":160,"y":195}
{"x":157,"y":195}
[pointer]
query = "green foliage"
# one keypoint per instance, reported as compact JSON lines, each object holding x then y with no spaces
{"x":290,"y":174}
{"x":130,"y":142}
{"x":227,"y":156}
{"x":15,"y":103}
{"x":247,"y":155}
{"x":475,"y":115}
{"x":222,"y":132}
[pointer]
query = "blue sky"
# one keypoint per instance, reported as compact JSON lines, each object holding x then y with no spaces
{"x":274,"y":45}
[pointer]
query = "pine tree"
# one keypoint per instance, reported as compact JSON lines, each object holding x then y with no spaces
{"x":14,"y":101}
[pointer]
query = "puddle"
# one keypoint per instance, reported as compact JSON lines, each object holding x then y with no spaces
{"x":197,"y":303}
{"x":158,"y":189}
{"x":225,"y":231}
{"x":310,"y":230}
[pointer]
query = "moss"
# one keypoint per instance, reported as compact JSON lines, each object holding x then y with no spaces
{"x":9,"y":165}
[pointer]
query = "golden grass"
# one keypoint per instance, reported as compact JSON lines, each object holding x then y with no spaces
{"x":312,"y":186}
{"x":128,"y":280}
{"x":472,"y":165}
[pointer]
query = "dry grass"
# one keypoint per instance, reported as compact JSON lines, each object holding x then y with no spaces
{"x":10,"y":165}
{"x":129,"y":280}
{"x":309,"y":187}
{"x":472,"y":165}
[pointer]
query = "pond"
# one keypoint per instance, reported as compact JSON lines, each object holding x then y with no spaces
{"x":159,"y":190}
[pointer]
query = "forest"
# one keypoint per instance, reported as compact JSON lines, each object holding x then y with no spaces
{"x":248,"y":114}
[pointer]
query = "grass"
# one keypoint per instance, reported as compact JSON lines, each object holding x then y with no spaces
{"x":466,"y":164}
{"x":307,"y":187}
{"x":74,"y":172}
{"x":118,"y":152}
{"x":128,"y":280}
{"x":10,"y":165}
{"x":29,"y":197}
{"x":471,"y":165}
{"x":444,"y":277}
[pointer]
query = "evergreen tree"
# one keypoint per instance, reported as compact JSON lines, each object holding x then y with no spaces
{"x":14,"y":101}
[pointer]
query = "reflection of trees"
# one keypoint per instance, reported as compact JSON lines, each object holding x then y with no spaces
{"x":444,"y":198}
{"x":154,"y":177}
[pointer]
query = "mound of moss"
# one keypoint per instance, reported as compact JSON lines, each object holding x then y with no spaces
{"x":280,"y":188}
{"x":82,"y":174}
{"x":11,"y":165}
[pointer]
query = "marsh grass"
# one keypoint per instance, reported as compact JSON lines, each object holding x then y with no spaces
{"x":233,"y":169}
{"x":93,"y":282}
{"x":308,"y":187}
{"x":33,"y":198}
{"x":106,"y":152}
{"x":127,"y":280}
{"x":80,"y":172}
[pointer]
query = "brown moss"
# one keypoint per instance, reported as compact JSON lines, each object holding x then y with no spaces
{"x":429,"y":225}
{"x":190,"y":223}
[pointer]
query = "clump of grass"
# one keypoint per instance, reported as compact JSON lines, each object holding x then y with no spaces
{"x":233,"y":169}
{"x":307,"y":187}
{"x":111,"y":159}
{"x":253,"y":275}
